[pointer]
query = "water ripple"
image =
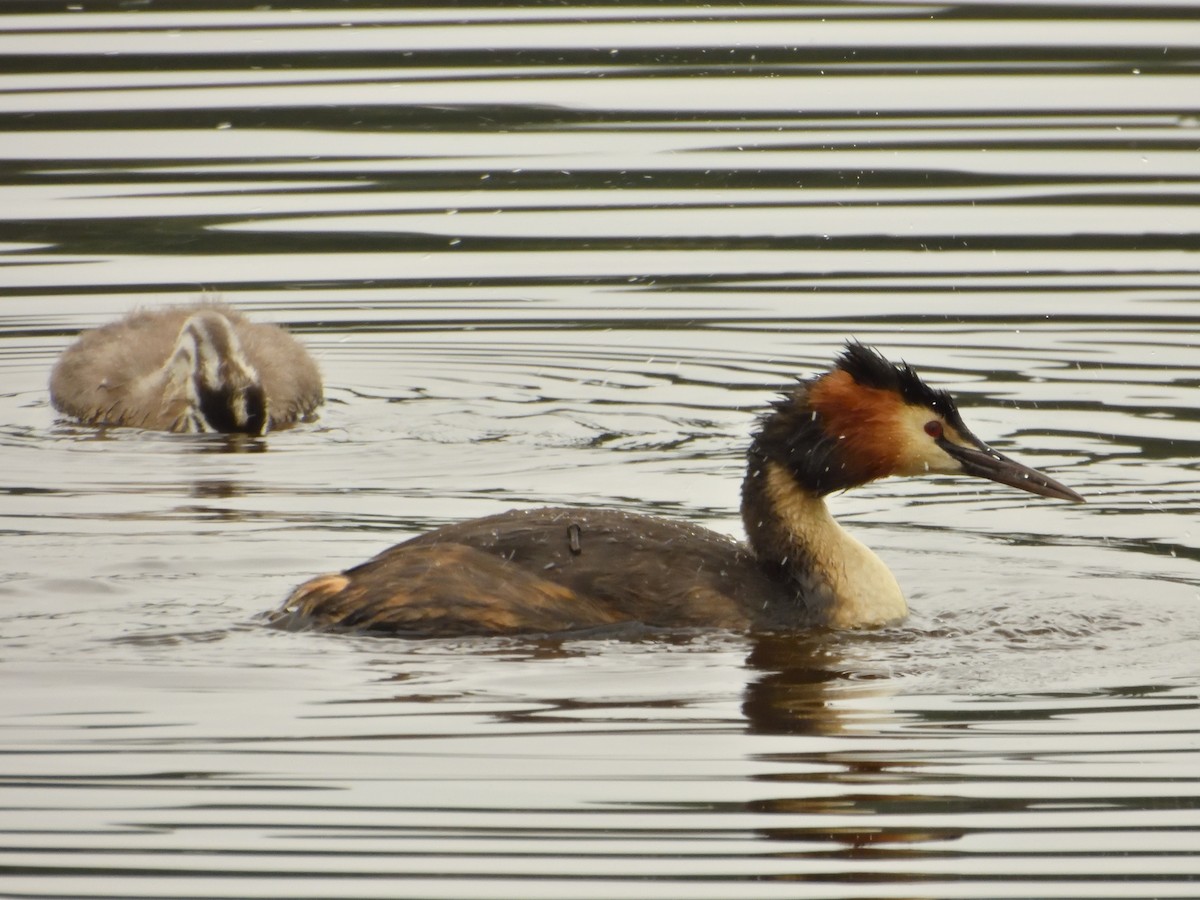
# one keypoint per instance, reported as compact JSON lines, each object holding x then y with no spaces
{"x":564,"y":255}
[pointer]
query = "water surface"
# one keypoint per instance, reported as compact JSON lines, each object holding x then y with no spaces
{"x":564,"y":255}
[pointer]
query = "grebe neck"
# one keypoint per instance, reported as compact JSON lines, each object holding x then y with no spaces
{"x":839,"y":581}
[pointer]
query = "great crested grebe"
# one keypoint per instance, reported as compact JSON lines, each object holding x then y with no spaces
{"x":201,"y":367}
{"x":553,"y":570}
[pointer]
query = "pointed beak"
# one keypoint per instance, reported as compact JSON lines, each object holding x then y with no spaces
{"x":985,"y":462}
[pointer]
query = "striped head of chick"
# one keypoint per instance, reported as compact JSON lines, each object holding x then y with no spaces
{"x":225,"y":388}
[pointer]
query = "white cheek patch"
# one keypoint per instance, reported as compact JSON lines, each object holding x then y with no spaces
{"x":920,"y":454}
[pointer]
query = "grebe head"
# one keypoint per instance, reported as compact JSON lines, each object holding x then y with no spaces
{"x":868,"y":418}
{"x":227,"y":393}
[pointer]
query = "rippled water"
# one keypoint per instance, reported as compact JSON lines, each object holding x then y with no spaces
{"x":564,"y":254}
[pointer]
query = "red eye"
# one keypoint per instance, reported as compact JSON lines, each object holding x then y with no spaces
{"x":933,"y":428}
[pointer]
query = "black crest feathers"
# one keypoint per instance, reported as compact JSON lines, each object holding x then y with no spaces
{"x":869,"y":368}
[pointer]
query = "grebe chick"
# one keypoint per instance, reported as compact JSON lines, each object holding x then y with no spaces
{"x":552,"y":570}
{"x":195,"y":368}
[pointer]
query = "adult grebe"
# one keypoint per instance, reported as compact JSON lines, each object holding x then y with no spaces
{"x":550,"y":570}
{"x":202,"y":367}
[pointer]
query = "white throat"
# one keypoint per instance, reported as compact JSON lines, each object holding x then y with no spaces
{"x":847,"y":586}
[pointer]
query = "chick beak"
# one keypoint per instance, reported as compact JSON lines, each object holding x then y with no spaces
{"x":985,"y":462}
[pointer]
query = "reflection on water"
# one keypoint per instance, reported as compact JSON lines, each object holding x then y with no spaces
{"x":590,"y":766}
{"x":563,"y":256}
